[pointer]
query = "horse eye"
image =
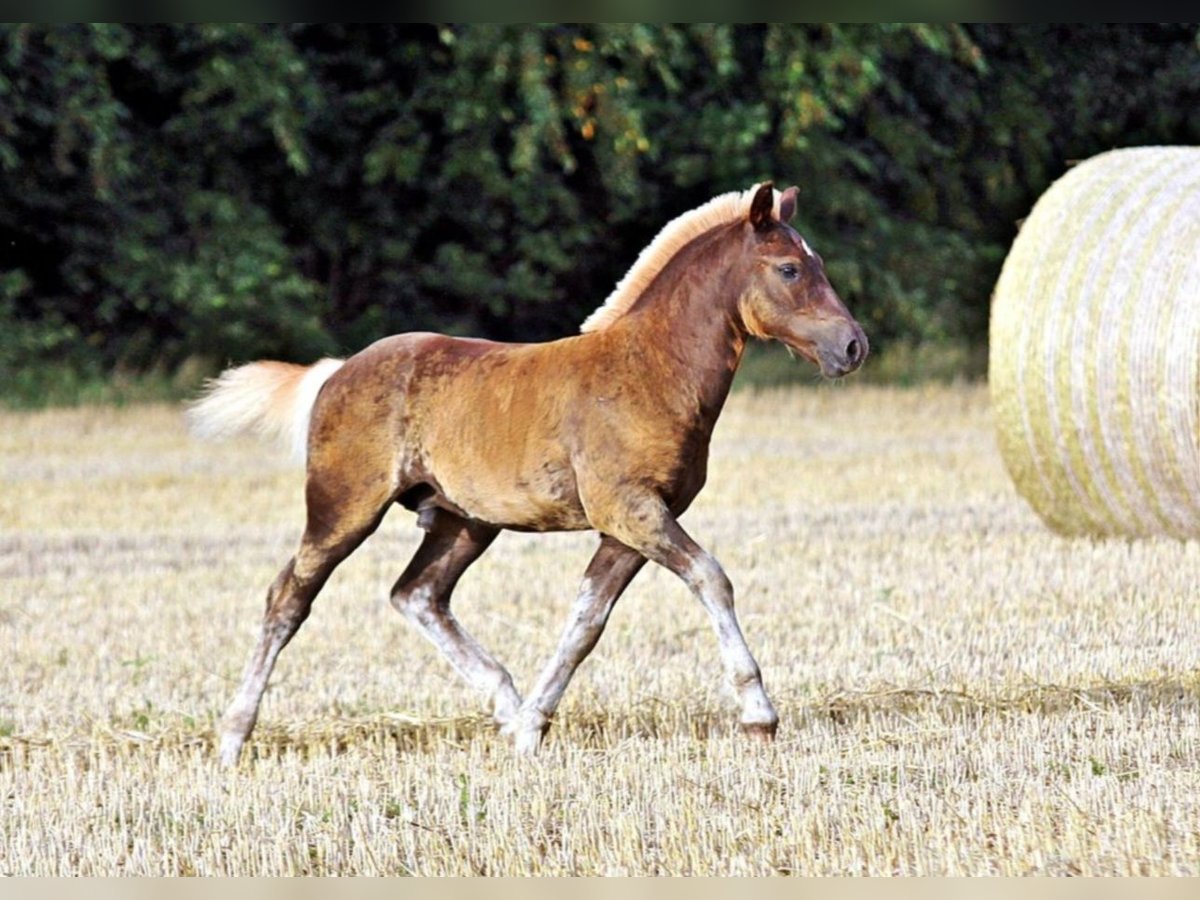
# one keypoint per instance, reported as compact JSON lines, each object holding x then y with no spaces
{"x":789,"y":272}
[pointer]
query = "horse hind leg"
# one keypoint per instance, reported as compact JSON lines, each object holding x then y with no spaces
{"x":289,"y":600}
{"x":333,"y":532}
{"x":422,"y":595}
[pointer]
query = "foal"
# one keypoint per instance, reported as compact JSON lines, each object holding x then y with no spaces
{"x":608,"y":430}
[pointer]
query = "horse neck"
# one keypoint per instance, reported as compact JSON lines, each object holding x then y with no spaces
{"x":686,"y":326}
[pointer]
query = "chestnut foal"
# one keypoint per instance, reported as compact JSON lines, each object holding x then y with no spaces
{"x":608,"y":430}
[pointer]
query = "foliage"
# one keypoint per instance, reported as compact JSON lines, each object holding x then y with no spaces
{"x":233,"y":191}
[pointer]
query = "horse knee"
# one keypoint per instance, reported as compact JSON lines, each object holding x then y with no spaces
{"x":417,"y":603}
{"x":709,"y":581}
{"x":289,"y":602}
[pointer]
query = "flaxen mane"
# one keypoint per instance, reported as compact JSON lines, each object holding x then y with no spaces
{"x":720,"y":210}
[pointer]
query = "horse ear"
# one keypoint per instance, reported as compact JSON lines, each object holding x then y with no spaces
{"x":762,"y":206}
{"x":787,"y":204}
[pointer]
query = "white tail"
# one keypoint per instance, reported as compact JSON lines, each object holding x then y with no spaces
{"x":271,"y":399}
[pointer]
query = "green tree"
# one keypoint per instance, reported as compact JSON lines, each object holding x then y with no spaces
{"x":235,"y":191}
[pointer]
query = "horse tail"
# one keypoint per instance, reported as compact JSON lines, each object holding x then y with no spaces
{"x":272,"y":399}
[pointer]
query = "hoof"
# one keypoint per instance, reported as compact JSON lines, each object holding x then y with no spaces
{"x":231,"y":749}
{"x":505,"y":713}
{"x":760,"y":731}
{"x":529,"y":741}
{"x":528,"y":728}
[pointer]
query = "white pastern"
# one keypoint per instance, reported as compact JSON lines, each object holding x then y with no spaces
{"x":527,"y":730}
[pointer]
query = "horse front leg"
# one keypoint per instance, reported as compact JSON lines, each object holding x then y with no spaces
{"x":653,"y":530}
{"x":606,"y":577}
{"x":422,"y":595}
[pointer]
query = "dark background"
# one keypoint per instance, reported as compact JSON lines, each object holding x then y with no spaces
{"x":183,"y":196}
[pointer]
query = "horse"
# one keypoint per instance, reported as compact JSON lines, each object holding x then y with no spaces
{"x":607,"y":430}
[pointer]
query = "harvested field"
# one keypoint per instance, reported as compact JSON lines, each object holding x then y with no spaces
{"x":961,"y":691}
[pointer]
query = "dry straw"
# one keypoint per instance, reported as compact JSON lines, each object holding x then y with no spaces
{"x":1095,"y":347}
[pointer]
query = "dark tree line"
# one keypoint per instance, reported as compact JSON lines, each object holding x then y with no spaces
{"x":232,"y":192}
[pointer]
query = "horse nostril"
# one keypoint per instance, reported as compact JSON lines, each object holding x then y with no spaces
{"x":854,"y":351}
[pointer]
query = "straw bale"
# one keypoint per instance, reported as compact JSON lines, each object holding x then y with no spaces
{"x":1094,"y":365}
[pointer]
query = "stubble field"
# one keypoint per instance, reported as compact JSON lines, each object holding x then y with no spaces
{"x":961,"y":692}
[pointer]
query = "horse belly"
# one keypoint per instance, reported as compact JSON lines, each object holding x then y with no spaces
{"x":537,"y":500}
{"x":508,"y":479}
{"x":489,"y":422}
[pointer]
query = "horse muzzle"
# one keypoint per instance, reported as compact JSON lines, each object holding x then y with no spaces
{"x":837,"y":346}
{"x":843,"y":352}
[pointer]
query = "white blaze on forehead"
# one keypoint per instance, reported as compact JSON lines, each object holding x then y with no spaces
{"x":807,"y":249}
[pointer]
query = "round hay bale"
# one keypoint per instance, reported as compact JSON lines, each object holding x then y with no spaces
{"x":1094,"y":364}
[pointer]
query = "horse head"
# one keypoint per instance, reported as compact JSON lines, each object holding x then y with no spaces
{"x":788,"y":297}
